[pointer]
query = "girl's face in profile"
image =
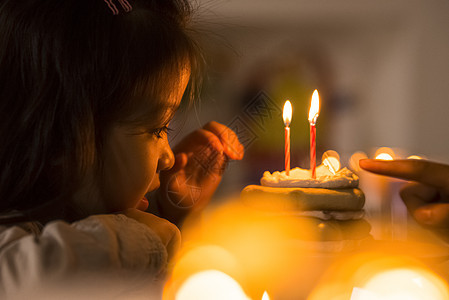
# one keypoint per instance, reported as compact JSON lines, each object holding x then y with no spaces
{"x":134,"y":157}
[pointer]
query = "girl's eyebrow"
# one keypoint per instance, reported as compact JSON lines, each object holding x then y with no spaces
{"x":172,"y":108}
{"x":170,"y":113}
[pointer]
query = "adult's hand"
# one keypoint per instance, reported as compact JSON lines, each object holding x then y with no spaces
{"x":427,"y":196}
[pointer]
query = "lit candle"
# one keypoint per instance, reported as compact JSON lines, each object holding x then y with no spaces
{"x":313,"y":116}
{"x":287,"y":116}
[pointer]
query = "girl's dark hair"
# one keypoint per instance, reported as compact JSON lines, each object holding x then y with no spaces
{"x":69,"y":69}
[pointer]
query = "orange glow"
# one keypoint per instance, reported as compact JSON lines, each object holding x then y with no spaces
{"x":265,"y":296}
{"x":287,"y":113}
{"x":314,"y":107}
{"x":203,"y":257}
{"x":331,"y":160}
{"x":244,"y":243}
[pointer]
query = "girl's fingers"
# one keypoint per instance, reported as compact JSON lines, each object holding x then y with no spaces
{"x":180,"y":162}
{"x":215,"y":136}
{"x":430,"y":173}
{"x":199,"y":140}
{"x":231,"y":145}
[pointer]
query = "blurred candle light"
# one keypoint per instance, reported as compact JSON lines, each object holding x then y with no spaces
{"x":331,"y":160}
{"x":287,"y":116}
{"x":377,"y":275}
{"x":210,"y":284}
{"x":313,"y":116}
{"x":398,"y":284}
{"x":202,"y":258}
{"x":265,"y":296}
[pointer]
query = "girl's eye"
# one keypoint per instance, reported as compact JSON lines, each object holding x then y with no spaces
{"x":158,"y":132}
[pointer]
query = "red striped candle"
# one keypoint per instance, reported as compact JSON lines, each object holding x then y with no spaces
{"x":287,"y":116}
{"x":313,"y":150}
{"x":313,"y":116}
{"x":287,"y":150}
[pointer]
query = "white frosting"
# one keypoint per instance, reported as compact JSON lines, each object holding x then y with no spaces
{"x":298,"y":177}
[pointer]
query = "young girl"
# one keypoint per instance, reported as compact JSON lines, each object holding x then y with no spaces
{"x":87,"y":89}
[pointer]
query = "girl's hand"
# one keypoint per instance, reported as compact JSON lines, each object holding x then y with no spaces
{"x":200,"y":160}
{"x":427,"y":198}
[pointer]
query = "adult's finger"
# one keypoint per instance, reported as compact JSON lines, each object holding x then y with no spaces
{"x":416,"y":195}
{"x":430,"y":173}
{"x":435,"y":215}
{"x":232,"y":147}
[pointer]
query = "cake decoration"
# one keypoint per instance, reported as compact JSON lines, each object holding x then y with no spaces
{"x":298,"y":177}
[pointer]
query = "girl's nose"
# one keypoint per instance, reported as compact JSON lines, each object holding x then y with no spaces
{"x":167,"y":158}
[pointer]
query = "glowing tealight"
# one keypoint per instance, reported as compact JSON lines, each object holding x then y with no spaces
{"x":384,"y":153}
{"x":401,"y":284}
{"x":414,"y":157}
{"x":354,"y":160}
{"x":331,"y":160}
{"x":265,"y":296}
{"x":210,"y":284}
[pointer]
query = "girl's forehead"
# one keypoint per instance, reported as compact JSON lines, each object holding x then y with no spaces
{"x":158,"y":106}
{"x":172,"y":102}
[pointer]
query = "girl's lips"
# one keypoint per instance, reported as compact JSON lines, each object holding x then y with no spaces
{"x":143,"y":204}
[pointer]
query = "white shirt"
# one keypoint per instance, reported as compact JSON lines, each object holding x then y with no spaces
{"x":100,"y":257}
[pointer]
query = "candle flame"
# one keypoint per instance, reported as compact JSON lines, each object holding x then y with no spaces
{"x":287,"y":113}
{"x":265,"y":296}
{"x":314,"y":107}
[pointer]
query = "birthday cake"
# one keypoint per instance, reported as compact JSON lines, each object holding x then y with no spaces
{"x":328,"y":209}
